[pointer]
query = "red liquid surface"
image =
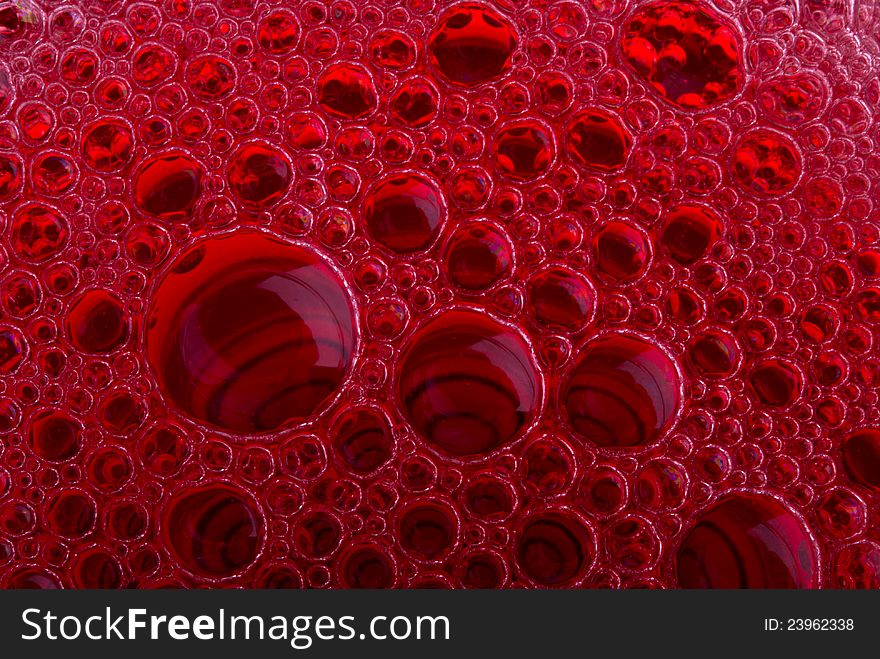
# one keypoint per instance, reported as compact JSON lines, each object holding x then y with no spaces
{"x":455,"y":294}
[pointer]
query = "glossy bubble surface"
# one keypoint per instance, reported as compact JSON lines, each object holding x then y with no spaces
{"x":689,"y":232}
{"x":688,"y":53}
{"x":524,"y":151}
{"x":861,"y":457}
{"x":259,"y":174}
{"x":439,"y":294}
{"x":620,"y":251}
{"x":598,"y":140}
{"x":168,"y":186}
{"x":248,"y":333}
{"x":766,"y":163}
{"x":467,"y":383}
{"x":621,"y":392}
{"x":747,"y":541}
{"x":214,"y":530}
{"x":560,"y":299}
{"x":404,"y":212}
{"x":478,"y":255}
{"x":471,"y":44}
{"x":555,"y":549}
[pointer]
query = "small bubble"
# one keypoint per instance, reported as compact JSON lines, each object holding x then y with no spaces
{"x":555,"y":548}
{"x":404,"y":212}
{"x":213,"y":529}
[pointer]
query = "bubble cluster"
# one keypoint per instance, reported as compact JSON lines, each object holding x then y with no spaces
{"x":473,"y":294}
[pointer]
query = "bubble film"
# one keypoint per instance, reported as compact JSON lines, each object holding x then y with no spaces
{"x":432,"y":293}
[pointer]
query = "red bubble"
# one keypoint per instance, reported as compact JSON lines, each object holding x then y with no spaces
{"x":483,"y":569}
{"x":477,"y":255}
{"x":152,"y":64}
{"x":548,"y":466}
{"x":71,"y":513}
{"x":112,"y":93}
{"x":168,"y":186}
{"x":861,"y":457}
{"x":248,"y":333}
{"x":107,"y":145}
{"x":21,"y":294}
{"x":317,"y":534}
{"x":97,"y":322}
{"x":404,"y":212}
{"x":689,"y":232}
{"x":363,"y":439}
{"x":428,"y":530}
{"x":278,"y":575}
{"x":7,"y":90}
{"x":53,"y":174}
{"x":54,"y":435}
{"x":392,"y":49}
{"x":766,"y":163}
{"x":560,"y":299}
{"x":867,"y":304}
{"x":210,"y":78}
{"x":713,"y":353}
{"x":776,"y":383}
{"x":555,"y":548}
{"x":555,"y":91}
{"x":792,"y":99}
{"x":684,"y":305}
{"x":96,"y":568}
{"x":277,"y":32}
{"x":17,"y":518}
{"x":11,"y":177}
{"x":632,"y":543}
{"x":823,"y":197}
{"x":471,"y":44}
{"x":661,"y":485}
{"x":524,"y":150}
{"x":747,"y":540}
{"x":32,"y":578}
{"x":857,"y":566}
{"x":306,"y":131}
{"x":868,"y":263}
{"x":163,"y":449}
{"x":841,"y":513}
{"x":346,"y":91}
{"x":127,"y":520}
{"x":597,"y":139}
{"x":467,"y":384}
{"x":688,"y":53}
{"x":259,"y":174}
{"x":213,"y":530}
{"x":622,"y":392}
{"x":621,"y":252}
{"x":79,"y":66}
{"x":415,"y":103}
{"x":38,"y":232}
{"x":366,"y":566}
{"x":13,"y":350}
{"x":489,"y":497}
{"x":36,"y":121}
{"x":109,"y":468}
